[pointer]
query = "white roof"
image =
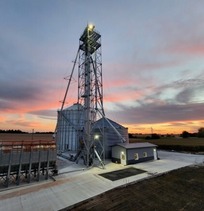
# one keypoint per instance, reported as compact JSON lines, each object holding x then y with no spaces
{"x":136,"y":145}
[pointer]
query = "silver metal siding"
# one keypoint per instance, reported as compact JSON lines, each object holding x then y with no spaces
{"x":67,"y":137}
{"x":140,"y":151}
{"x":111,"y":138}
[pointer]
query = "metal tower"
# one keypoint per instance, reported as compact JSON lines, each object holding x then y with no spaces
{"x":90,"y":98}
{"x":90,"y":90}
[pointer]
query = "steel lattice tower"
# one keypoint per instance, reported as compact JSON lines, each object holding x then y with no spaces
{"x":78,"y":128}
{"x":90,"y":90}
{"x":90,"y":99}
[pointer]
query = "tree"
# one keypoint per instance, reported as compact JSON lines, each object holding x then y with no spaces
{"x":155,"y":136}
{"x":185,"y":134}
{"x":201,"y":132}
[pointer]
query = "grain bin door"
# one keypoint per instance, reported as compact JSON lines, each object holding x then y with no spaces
{"x":123,"y":158}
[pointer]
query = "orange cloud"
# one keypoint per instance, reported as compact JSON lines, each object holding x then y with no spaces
{"x":164,"y":128}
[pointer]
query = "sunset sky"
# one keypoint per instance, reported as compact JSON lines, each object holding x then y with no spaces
{"x":153,"y":61}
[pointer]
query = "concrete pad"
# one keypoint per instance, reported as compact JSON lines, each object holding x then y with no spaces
{"x":75,"y":183}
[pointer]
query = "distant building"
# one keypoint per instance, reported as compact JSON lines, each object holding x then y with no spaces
{"x":126,"y":153}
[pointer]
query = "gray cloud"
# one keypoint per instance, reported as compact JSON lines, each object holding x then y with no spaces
{"x":185,"y":91}
{"x":151,"y":113}
{"x":185,"y":96}
{"x":45,"y":114}
{"x":6,"y":105}
{"x":184,"y":104}
{"x":18,"y":92}
{"x":194,"y":82}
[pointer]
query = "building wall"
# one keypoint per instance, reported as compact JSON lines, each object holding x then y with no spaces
{"x":116,"y":154}
{"x":67,"y":136}
{"x":116,"y":150}
{"x":111,"y":138}
{"x":140,"y":151}
{"x":135,"y":155}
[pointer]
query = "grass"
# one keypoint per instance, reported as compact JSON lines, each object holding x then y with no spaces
{"x":192,"y":141}
{"x":193,"y":145}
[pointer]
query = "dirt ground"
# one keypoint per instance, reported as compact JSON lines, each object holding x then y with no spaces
{"x":24,"y":137}
{"x":181,"y":189}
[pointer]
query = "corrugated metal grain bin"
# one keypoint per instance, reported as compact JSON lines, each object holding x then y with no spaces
{"x":69,"y":123}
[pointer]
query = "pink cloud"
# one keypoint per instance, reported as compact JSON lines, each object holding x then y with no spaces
{"x":23,"y":123}
{"x":191,"y":49}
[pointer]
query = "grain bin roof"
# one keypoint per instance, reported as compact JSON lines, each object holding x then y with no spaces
{"x":103,"y":122}
{"x":136,"y":145}
{"x":74,"y":107}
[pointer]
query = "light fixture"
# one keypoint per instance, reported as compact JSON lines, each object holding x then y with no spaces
{"x":90,"y":27}
{"x":96,"y":137}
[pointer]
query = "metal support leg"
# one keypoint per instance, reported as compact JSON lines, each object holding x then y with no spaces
{"x":39,"y":165}
{"x":20,"y":165}
{"x":9,"y":170}
{"x":30,"y":165}
{"x":48,"y":163}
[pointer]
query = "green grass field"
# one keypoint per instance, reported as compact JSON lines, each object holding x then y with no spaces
{"x":191,"y":144}
{"x":173,"y":141}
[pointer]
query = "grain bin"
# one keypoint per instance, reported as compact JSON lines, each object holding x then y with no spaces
{"x":111,"y":136}
{"x":69,"y":125}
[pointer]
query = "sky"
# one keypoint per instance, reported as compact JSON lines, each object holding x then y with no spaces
{"x":152,"y":53}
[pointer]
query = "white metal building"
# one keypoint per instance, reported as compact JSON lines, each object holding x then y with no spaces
{"x":131,"y":153}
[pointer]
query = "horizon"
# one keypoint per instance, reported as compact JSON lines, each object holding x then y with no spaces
{"x":18,"y":131}
{"x":152,"y":57}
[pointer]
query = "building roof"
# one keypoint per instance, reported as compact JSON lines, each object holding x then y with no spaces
{"x":136,"y":145}
{"x":75,"y":107}
{"x":103,"y":122}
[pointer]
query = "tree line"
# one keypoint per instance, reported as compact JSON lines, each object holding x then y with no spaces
{"x":199,"y":134}
{"x":11,"y":131}
{"x":22,"y":132}
{"x":184,"y":134}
